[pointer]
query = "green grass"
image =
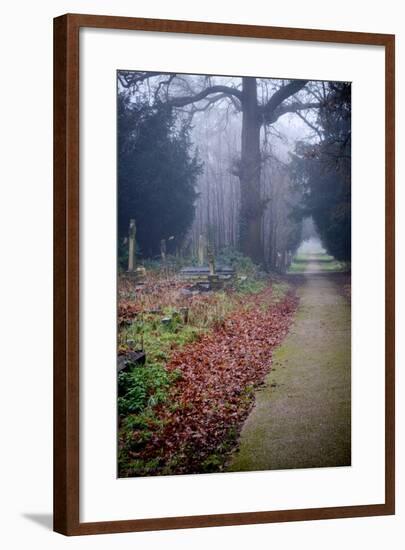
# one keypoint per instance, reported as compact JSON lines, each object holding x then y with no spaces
{"x":250,"y":286}
{"x":142,"y":388}
{"x":159,"y":340}
{"x":319,"y":256}
{"x":280,"y":290}
{"x":323,"y":263}
{"x":216,"y":462}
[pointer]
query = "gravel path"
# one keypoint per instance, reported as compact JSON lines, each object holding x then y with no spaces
{"x":301,"y":418}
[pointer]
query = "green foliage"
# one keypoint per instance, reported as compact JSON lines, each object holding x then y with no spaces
{"x":122,"y":254}
{"x":250,"y":286}
{"x":243,"y":265}
{"x":250,"y":280}
{"x":160,"y":339}
{"x":157,"y":174}
{"x":216,"y":461}
{"x":142,"y":388}
{"x":279,"y":290}
{"x":323,"y":171}
{"x":324,"y":262}
{"x":135,"y":432}
{"x":172,"y":264}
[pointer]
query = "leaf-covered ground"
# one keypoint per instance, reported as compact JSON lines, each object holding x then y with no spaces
{"x":196,"y":426}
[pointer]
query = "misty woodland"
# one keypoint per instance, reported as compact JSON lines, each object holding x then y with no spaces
{"x":234,"y":255}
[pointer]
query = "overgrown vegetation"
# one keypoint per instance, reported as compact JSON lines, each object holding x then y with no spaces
{"x":163,"y":318}
{"x":322,"y":171}
{"x":142,"y":388}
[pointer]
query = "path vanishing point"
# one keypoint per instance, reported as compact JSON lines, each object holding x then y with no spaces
{"x":301,"y":417}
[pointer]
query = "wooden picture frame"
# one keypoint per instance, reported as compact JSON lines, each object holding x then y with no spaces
{"x":67,"y":284}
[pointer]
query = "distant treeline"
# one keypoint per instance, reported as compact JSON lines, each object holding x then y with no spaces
{"x":183,"y":169}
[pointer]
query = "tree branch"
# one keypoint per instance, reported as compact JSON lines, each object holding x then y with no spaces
{"x":312,"y":126}
{"x":283,"y":93}
{"x":130,"y":78}
{"x":209,"y":101}
{"x":291,"y":108}
{"x":187,"y":100}
{"x":164,"y":83}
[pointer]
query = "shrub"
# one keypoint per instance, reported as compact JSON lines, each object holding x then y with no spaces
{"x":242,"y":264}
{"x":143,"y":387}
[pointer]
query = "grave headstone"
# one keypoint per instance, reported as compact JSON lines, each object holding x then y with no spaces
{"x":163,"y":250}
{"x":201,"y":250}
{"x":132,"y":246}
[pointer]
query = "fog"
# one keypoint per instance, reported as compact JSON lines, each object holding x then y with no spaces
{"x":272,"y":153}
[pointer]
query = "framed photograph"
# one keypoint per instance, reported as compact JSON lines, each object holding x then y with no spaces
{"x":223,"y":274}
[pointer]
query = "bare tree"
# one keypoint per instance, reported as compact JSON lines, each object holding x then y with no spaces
{"x":201,"y":93}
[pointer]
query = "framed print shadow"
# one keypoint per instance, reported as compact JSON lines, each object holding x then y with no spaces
{"x":223,"y":274}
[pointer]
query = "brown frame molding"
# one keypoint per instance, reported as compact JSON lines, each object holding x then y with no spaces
{"x":66,"y":273}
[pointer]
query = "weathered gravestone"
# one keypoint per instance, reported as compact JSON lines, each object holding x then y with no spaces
{"x":132,"y":246}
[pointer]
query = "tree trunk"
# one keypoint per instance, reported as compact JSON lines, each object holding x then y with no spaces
{"x":251,"y":212}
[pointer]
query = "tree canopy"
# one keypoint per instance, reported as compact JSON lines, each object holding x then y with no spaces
{"x":246,"y":197}
{"x":157,"y":171}
{"x":323,"y":169}
{"x":261,"y":101}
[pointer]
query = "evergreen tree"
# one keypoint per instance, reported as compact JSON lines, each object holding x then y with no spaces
{"x":157,"y":174}
{"x":324,"y":172}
